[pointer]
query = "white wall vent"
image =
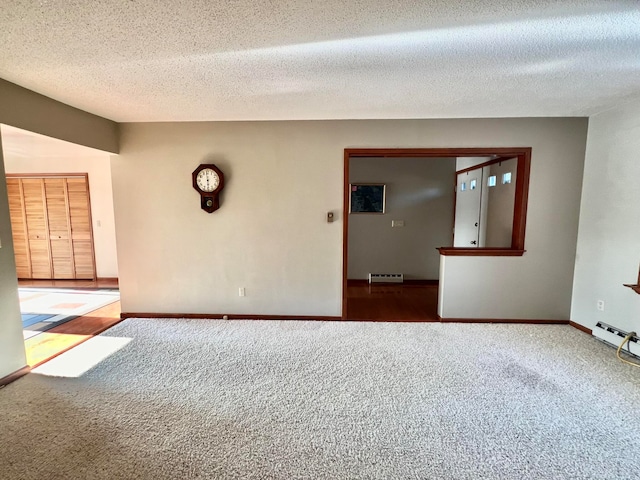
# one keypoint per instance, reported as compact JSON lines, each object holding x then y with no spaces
{"x":386,"y":278}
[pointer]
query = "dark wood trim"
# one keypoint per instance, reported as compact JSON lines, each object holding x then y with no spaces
{"x":346,"y":197}
{"x":519,"y":213}
{"x":521,"y":200}
{"x":435,"y":152}
{"x":503,"y":320}
{"x":480,"y":252}
{"x":635,"y":287}
{"x":107,"y":279}
{"x":12,"y":377}
{"x":231,"y":316}
{"x":582,"y":328}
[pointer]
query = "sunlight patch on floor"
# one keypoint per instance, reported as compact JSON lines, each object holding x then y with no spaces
{"x":82,"y":358}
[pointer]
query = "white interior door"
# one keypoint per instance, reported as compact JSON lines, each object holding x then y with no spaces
{"x":467,"y":216}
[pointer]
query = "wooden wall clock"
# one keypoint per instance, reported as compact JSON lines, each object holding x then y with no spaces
{"x":208,"y":181}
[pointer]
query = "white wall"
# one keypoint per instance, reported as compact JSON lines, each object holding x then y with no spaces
{"x":419,"y":191}
{"x":271,"y":235}
{"x":98,"y":167}
{"x":609,"y":234}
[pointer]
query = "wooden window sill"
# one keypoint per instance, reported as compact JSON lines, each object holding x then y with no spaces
{"x":480,"y":252}
{"x":635,"y":288}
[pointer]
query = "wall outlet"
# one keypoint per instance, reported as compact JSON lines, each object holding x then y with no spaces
{"x":241,"y":292}
{"x":397,"y":223}
{"x":600,"y":305}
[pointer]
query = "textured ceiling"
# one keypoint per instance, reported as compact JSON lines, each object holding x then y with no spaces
{"x":164,"y":60}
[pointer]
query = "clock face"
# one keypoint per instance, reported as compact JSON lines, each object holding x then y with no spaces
{"x":207,"y":180}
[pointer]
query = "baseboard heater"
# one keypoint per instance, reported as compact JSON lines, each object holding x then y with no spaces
{"x":614,"y":336}
{"x":386,"y":278}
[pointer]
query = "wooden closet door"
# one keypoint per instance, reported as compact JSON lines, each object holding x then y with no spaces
{"x":62,"y":261}
{"x":81,"y":233}
{"x":19,"y":228}
{"x":37,"y":227}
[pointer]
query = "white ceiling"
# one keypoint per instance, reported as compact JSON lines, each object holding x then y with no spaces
{"x":177,"y":60}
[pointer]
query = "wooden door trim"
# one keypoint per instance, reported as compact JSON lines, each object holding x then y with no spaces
{"x":520,"y":208}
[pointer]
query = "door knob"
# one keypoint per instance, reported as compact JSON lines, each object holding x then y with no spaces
{"x":473,"y":242}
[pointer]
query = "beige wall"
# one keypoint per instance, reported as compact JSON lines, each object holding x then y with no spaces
{"x":271,"y":235}
{"x":419,"y":191}
{"x":99,"y":169}
{"x":609,"y":234}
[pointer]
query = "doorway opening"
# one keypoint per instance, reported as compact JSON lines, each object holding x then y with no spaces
{"x":63,"y":240}
{"x":401,"y":206}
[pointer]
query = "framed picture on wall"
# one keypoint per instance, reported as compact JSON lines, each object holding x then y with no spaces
{"x":367,"y":198}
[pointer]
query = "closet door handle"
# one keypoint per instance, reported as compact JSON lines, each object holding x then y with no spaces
{"x":473,"y":242}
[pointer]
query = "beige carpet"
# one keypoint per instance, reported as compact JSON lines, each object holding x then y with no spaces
{"x":184,"y":399}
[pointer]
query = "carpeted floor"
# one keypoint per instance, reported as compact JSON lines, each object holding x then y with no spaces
{"x":190,"y":399}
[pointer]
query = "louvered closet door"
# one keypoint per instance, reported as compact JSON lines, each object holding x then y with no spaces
{"x":59,"y":228}
{"x":37,"y":227}
{"x":51,"y":224}
{"x":81,"y":235}
{"x":19,"y":227}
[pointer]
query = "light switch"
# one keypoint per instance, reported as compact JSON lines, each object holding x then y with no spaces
{"x":397,"y":223}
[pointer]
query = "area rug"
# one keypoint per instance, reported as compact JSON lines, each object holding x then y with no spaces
{"x":209,"y":399}
{"x":44,"y":308}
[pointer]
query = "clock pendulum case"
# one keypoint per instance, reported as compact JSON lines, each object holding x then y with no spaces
{"x":208,"y":181}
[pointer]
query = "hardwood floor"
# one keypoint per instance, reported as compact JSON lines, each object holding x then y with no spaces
{"x":392,"y":302}
{"x":50,"y":344}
